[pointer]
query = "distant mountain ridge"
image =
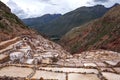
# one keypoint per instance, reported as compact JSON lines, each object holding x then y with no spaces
{"x":39,"y":21}
{"x":102,"y":33}
{"x":62,"y":24}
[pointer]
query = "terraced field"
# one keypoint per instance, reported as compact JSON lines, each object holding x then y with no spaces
{"x":33,"y":58}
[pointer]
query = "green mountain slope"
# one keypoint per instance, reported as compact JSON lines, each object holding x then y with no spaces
{"x":39,"y":21}
{"x":103,"y":33}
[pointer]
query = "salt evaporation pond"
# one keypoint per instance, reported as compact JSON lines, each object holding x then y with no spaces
{"x":13,"y":71}
{"x":111,"y":76}
{"x":49,"y":75}
{"x":73,"y":76}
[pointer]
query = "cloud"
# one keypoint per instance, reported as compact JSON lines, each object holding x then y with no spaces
{"x":101,"y":1}
{"x":44,"y":0}
{"x":36,"y":8}
{"x":16,"y":9}
{"x":47,"y":2}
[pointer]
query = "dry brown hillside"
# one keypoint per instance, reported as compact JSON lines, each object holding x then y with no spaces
{"x":103,"y":33}
{"x":10,"y":25}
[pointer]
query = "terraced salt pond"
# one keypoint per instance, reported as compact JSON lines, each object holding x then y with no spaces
{"x":75,"y":70}
{"x":112,"y":62}
{"x":117,"y":69}
{"x":13,"y":71}
{"x":90,"y":64}
{"x":73,"y":76}
{"x":111,"y":76}
{"x":49,"y":75}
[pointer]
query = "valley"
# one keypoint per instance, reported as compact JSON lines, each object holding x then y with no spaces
{"x":88,"y":52}
{"x":56,"y":25}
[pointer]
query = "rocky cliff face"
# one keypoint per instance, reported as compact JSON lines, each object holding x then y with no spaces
{"x":10,"y":25}
{"x":102,"y":33}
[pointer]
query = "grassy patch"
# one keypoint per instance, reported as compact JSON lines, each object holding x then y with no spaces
{"x":2,"y":26}
{"x":75,"y":48}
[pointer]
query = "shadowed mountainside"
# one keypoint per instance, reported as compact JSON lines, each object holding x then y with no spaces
{"x":39,"y":21}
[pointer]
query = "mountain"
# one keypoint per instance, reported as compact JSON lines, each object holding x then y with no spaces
{"x":102,"y":33}
{"x":10,"y":25}
{"x":59,"y":26}
{"x":38,"y":21}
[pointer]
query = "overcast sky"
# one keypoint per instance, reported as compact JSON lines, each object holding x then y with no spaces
{"x":35,"y":8}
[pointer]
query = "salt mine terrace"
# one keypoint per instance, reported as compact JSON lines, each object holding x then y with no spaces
{"x":33,"y":58}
